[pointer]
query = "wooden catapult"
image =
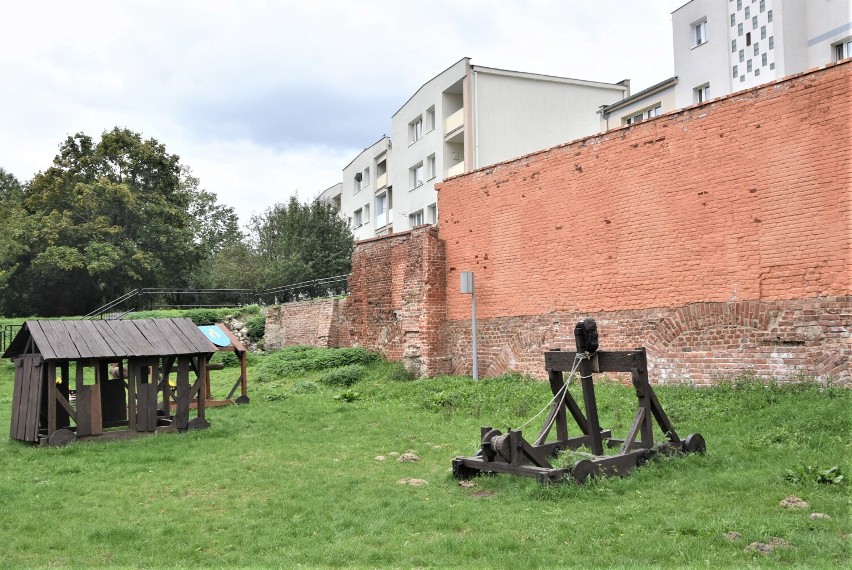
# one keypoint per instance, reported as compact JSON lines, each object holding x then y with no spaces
{"x":511,"y":453}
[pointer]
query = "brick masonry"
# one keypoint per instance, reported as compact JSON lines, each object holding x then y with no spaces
{"x":717,"y":236}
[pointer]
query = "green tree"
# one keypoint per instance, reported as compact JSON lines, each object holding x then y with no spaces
{"x":299,"y":242}
{"x":107,"y":217}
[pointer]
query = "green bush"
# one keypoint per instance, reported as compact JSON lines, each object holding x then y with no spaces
{"x":206,"y":316}
{"x":228,"y":359}
{"x":304,"y":387}
{"x":295,"y":360}
{"x":256,"y":326}
{"x":344,"y":375}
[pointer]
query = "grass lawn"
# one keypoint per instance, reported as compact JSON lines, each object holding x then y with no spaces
{"x":292,"y":479}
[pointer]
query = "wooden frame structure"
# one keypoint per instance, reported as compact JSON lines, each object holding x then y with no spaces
{"x":239,"y":349}
{"x":133,"y":401}
{"x":511,"y":453}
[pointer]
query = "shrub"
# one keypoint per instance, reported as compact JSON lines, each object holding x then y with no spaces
{"x":304,"y":387}
{"x":228,"y":359}
{"x":294,"y":360}
{"x":256,"y":326}
{"x":348,"y":396}
{"x":344,"y":375}
{"x":205,"y":316}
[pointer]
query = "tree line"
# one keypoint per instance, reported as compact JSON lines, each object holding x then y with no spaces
{"x":121,"y":213}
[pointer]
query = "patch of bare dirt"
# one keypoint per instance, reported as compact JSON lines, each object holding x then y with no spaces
{"x":820,"y":517}
{"x":732,"y":535}
{"x":467,"y":484}
{"x":413,"y":482}
{"x":768,"y":547}
{"x":482,"y":494}
{"x":409,"y":456}
{"x":793,"y":502}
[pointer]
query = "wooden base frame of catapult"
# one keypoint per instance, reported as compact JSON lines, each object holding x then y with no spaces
{"x":511,"y":453}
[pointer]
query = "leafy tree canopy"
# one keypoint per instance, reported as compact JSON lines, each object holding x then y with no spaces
{"x":106,"y":218}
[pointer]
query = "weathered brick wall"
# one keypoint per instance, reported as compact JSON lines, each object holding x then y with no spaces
{"x":303,"y":323}
{"x":717,"y":236}
{"x":396,"y":304}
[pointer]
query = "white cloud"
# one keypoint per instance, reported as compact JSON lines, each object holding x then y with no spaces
{"x":264,"y":98}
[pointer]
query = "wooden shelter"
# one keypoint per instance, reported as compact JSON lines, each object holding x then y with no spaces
{"x":121,"y":372}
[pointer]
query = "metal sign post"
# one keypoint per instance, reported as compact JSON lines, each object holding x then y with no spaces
{"x":468,"y":287}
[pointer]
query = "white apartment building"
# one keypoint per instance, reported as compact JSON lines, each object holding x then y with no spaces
{"x":723,"y":46}
{"x":465,"y":118}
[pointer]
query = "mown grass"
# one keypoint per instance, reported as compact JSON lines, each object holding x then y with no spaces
{"x":292,"y":479}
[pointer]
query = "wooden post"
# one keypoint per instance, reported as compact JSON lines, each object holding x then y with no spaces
{"x":51,"y":398}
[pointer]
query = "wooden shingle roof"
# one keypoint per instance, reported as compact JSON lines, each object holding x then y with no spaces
{"x":72,"y":340}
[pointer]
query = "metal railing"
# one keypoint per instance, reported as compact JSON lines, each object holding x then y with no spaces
{"x":153,"y":298}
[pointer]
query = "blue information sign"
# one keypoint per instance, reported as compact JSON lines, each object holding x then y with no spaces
{"x":215,"y":335}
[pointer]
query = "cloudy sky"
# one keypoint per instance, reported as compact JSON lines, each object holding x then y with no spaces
{"x":266,"y":99}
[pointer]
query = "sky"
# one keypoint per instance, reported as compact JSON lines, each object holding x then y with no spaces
{"x":267,"y":99}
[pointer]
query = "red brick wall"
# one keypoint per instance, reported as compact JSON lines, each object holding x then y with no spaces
{"x":303,"y":323}
{"x":396,"y":304}
{"x":673,"y":233}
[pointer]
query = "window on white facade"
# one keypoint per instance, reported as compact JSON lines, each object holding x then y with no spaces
{"x":739,"y":4}
{"x":735,"y":72}
{"x":763,"y":32}
{"x":748,"y":38}
{"x":762,"y":6}
{"x":748,"y":65}
{"x":366,"y":215}
{"x":702,"y":93}
{"x":769,"y":16}
{"x":771,"y":42}
{"x":747,"y":12}
{"x":415,"y":129}
{"x":764,"y":59}
{"x":365,"y":178}
{"x":756,"y":49}
{"x":733,"y":20}
{"x":431,"y":171}
{"x":432,"y":213}
{"x":739,"y":29}
{"x":733,"y":46}
{"x":357,"y":221}
{"x":742,"y":56}
{"x":843,"y":50}
{"x":381,"y":208}
{"x":416,"y":219}
{"x":754,"y":23}
{"x":699,"y":33}
{"x":416,"y":175}
{"x":430,"y":119}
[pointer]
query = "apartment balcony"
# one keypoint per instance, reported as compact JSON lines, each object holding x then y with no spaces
{"x":381,"y":181}
{"x":456,"y":170}
{"x":454,"y":121}
{"x":384,"y":218}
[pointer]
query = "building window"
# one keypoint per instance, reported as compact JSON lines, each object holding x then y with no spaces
{"x":762,"y":6}
{"x":735,"y":72}
{"x":358,"y":178}
{"x":416,"y":219}
{"x":763,"y":60}
{"x":381,"y":208}
{"x":739,"y":29}
{"x":748,"y":65}
{"x":733,"y":46}
{"x":733,"y":20}
{"x":415,"y":129}
{"x":756,"y":49}
{"x":431,"y":171}
{"x":754,"y":23}
{"x":430,"y":119}
{"x":415,"y":175}
{"x":748,"y":38}
{"x":739,"y":4}
{"x":763,"y":32}
{"x":843,"y":50}
{"x":771,"y":42}
{"x":742,"y":78}
{"x":366,"y":210}
{"x":742,"y":56}
{"x":769,"y":16}
{"x":757,"y":72}
{"x":365,"y":178}
{"x":747,"y":13}
{"x":772,"y":65}
{"x":702,"y":93}
{"x":699,"y":33}
{"x":356,"y":218}
{"x":431,"y":213}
